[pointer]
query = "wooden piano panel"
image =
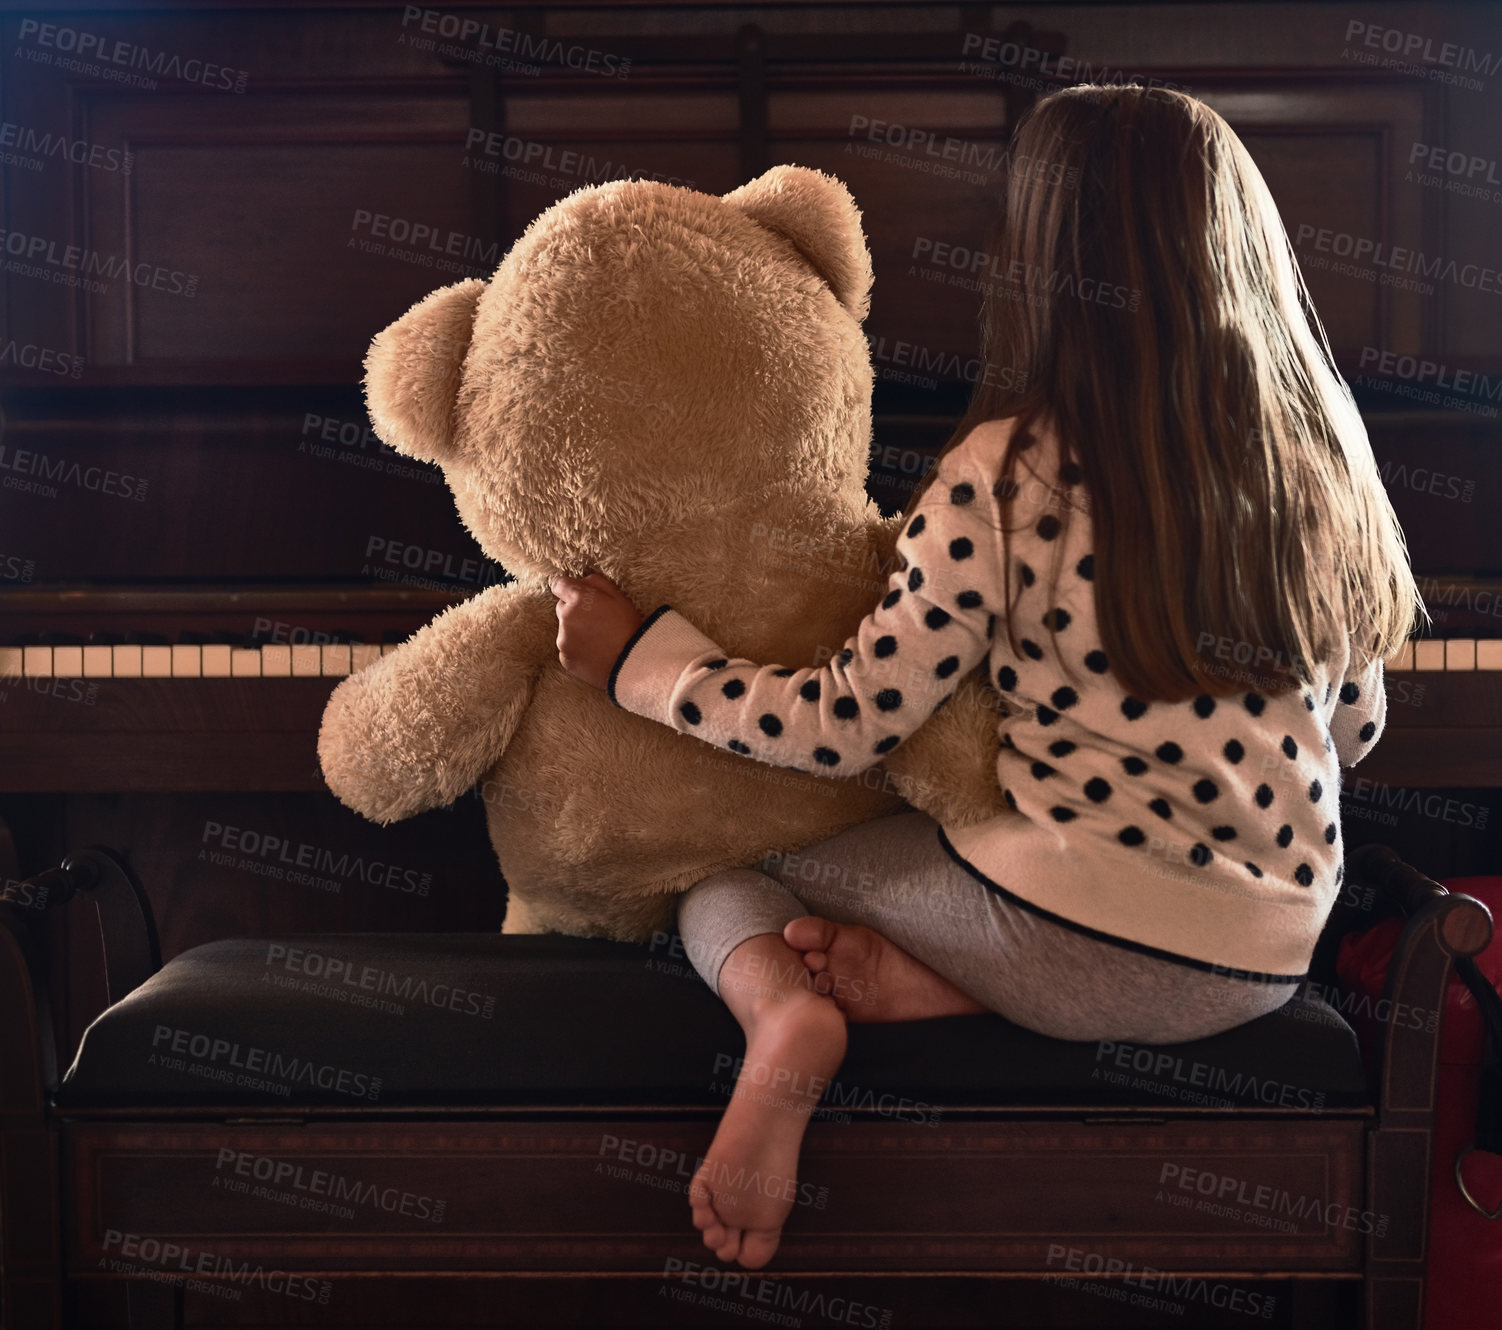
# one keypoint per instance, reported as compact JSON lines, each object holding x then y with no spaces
{"x":311,"y":218}
{"x":1442,"y":474}
{"x":923,"y":327}
{"x":98,"y":735}
{"x":254,"y":487}
{"x":252,"y":191}
{"x":1332,"y":152}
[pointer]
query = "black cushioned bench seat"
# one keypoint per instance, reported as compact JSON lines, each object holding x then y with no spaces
{"x":404,"y":1019}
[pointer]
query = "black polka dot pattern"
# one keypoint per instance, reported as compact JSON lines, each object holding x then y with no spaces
{"x":1237,"y":782}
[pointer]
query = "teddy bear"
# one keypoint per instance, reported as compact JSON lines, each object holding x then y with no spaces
{"x":673,"y":388}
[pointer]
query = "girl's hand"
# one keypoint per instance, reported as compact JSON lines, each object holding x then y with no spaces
{"x":595,"y":621}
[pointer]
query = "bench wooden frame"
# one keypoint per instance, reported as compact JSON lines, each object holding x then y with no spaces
{"x":69,"y":1179}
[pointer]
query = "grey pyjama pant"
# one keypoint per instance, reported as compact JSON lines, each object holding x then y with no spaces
{"x":892,"y":875}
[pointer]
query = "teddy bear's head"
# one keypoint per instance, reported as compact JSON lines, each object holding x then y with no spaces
{"x":644,"y":357}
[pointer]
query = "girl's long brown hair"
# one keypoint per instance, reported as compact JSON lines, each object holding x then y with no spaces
{"x":1143,"y":300}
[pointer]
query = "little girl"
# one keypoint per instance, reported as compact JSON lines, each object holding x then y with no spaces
{"x":1167,"y":537}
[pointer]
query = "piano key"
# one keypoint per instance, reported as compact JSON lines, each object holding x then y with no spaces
{"x":363,"y":654}
{"x":187,"y":661}
{"x":156,"y":662}
{"x":12,"y":662}
{"x":215,"y":660}
{"x":244,"y":662}
{"x":67,"y":662}
{"x":1460,"y":653}
{"x":388,"y":647}
{"x":98,"y":662}
{"x":307,"y":658}
{"x":1403,"y":660}
{"x":1489,"y":654}
{"x":1428,"y":654}
{"x":276,"y":661}
{"x":127,"y":661}
{"x":37,"y":662}
{"x":336,"y":658}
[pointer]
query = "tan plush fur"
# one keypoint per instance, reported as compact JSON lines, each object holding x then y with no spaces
{"x":672,"y":388}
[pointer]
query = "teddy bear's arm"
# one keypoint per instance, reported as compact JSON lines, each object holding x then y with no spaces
{"x":416,"y":728}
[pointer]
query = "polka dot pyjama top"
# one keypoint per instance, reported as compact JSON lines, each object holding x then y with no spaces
{"x":1205,"y":831}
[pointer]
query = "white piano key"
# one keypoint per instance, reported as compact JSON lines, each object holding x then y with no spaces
{"x":244,"y":662}
{"x":336,"y":658}
{"x":98,"y":662}
{"x":1403,"y":659}
{"x":1428,"y":654}
{"x":12,"y":662}
{"x":187,"y":661}
{"x":127,"y":661}
{"x":388,"y":647}
{"x":67,"y":662}
{"x":276,"y":661}
{"x":1489,"y":653}
{"x":156,"y":662}
{"x":216,"y":660}
{"x":37,"y":662}
{"x":307,"y":658}
{"x":1460,"y":653}
{"x":363,"y":654}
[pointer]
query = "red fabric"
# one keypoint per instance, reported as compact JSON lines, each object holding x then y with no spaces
{"x":1464,"y":1286}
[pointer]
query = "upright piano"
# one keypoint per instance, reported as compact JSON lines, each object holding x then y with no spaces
{"x":200,"y":534}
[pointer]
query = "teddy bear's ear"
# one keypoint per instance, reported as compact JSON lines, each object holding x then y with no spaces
{"x":413,"y":367}
{"x":816,"y":213}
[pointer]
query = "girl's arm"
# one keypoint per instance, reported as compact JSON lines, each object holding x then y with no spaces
{"x":906,"y":658}
{"x":1360,"y":713}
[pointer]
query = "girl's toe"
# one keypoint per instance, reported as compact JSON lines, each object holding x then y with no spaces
{"x":758,"y":1246}
{"x":810,"y":933}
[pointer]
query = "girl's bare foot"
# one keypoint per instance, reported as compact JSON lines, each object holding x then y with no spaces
{"x":870,"y":977}
{"x":795,"y":1041}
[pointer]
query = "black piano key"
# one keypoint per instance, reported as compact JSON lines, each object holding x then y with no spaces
{"x":106,"y":639}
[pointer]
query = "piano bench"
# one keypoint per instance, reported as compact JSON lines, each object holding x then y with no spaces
{"x":456,"y":1109}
